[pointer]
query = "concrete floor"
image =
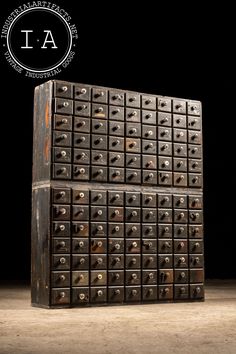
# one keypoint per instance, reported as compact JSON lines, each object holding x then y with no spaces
{"x":185,"y":328}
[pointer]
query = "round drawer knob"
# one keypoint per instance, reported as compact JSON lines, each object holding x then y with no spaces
{"x":62,"y":244}
{"x":181,"y":200}
{"x":151,"y":276}
{"x":63,"y":153}
{"x":117,"y":173}
{"x":163,"y":103}
{"x":99,"y":261}
{"x":100,"y":228}
{"x":134,"y":213}
{"x":197,"y":290}
{"x":99,"y":244}
{"x":62,"y":277}
{"x":117,"y":246}
{"x":82,"y":171}
{"x":133,"y":130}
{"x":117,"y":276}
{"x":134,"y":261}
{"x":149,"y":229}
{"x":166,"y":229}
{"x":182,"y":290}
{"x":99,"y":293}
{"x":62,"y":294}
{"x":134,"y":276}
{"x":134,"y":228}
{"x":99,"y":276}
{"x":117,"y":228}
{"x":167,"y":260}
{"x":148,"y":116}
{"x":134,"y":292}
{"x":81,"y":244}
{"x":82,"y":260}
{"x":148,"y":101}
{"x":65,"y":104}
{"x":181,"y":245}
{"x":81,"y":195}
{"x":81,"y":227}
{"x":150,"y":259}
{"x":117,"y":292}
{"x":62,"y":227}
{"x":182,"y":260}
{"x":62,"y":211}
{"x":62,"y":260}
{"x":182,"y":275}
{"x":117,"y":260}
{"x":64,"y":121}
{"x":99,"y":212}
{"x":116,"y":212}
{"x":134,"y":244}
{"x":82,"y":296}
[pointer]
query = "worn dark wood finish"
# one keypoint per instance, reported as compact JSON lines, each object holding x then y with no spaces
{"x":117,"y":197}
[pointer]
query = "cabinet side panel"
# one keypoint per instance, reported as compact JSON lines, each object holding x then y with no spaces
{"x":42,"y":132}
{"x":40,"y":247}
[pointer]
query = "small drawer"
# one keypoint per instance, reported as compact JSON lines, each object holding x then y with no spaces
{"x":149,"y":200}
{"x":132,"y":99}
{"x":164,"y":119}
{"x":116,"y":113}
{"x":149,"y":117}
{"x":149,"y":215}
{"x":98,"y":213}
{"x":116,"y":174}
{"x":61,"y":212}
{"x":116,"y":143}
{"x":149,"y":246}
{"x":149,"y":102}
{"x":165,"y":261}
{"x":81,"y":156}
{"x":180,"y":231}
{"x":196,"y":291}
{"x":132,"y":246}
{"x":98,"y":261}
{"x":164,"y":133}
{"x":149,"y":146}
{"x":164,"y":148}
{"x":116,"y":294}
{"x":194,"y":165}
{"x":196,"y":261}
{"x":132,"y":115}
{"x":61,"y":122}
{"x":80,"y":262}
{"x":133,"y":293}
{"x":99,"y":126}
{"x":181,"y":292}
{"x":99,"y":173}
{"x":165,"y":246}
{"x":63,"y":89}
{"x":133,"y":176}
{"x":61,"y":195}
{"x":179,"y":106}
{"x":195,"y":180}
{"x":98,"y":197}
{"x":81,"y":172}
{"x":80,"y":278}
{"x":61,"y":262}
{"x":80,"y":245}
{"x":181,"y":276}
{"x":61,"y":229}
{"x":82,"y":92}
{"x":116,"y":261}
{"x":82,"y":140}
{"x":180,"y":179}
{"x":194,"y":108}
{"x":181,"y":261}
{"x":132,"y":230}
{"x":164,"y":104}
{"x":99,"y":95}
{"x":80,"y":229}
{"x":164,"y":200}
{"x":165,"y":178}
{"x":166,"y":276}
{"x":165,"y":163}
{"x":98,"y":245}
{"x":195,"y":202}
{"x":117,"y":97}
{"x":180,"y":135}
{"x":149,"y":162}
{"x":115,"y":229}
{"x":181,"y":216}
{"x":115,"y":214}
{"x":82,"y":125}
{"x":133,"y":130}
{"x":80,"y":212}
{"x":132,"y":198}
{"x":195,"y":231}
{"x":133,"y":161}
{"x":149,"y":261}
{"x":115,"y":245}
{"x":194,"y":123}
{"x":60,"y":296}
{"x":165,"y":215}
{"x":179,"y":121}
{"x":179,"y":164}
{"x":116,"y":198}
{"x":82,"y":109}
{"x":149,"y":231}
{"x":165,"y":231}
{"x":194,"y":151}
{"x":195,"y":246}
{"x":116,"y":128}
{"x":98,"y":229}
{"x":60,"y":279}
{"x":98,"y":294}
{"x":61,"y":138}
{"x":116,"y":277}
{"x":180,"y":150}
{"x":149,"y":177}
{"x":180,"y":201}
{"x":132,"y":214}
{"x":133,"y":145}
{"x":194,"y":137}
{"x":180,"y":246}
{"x":80,"y":196}
{"x":116,"y":159}
{"x":99,"y":142}
{"x":133,"y":277}
{"x":133,"y":261}
{"x":149,"y":132}
{"x":63,"y":106}
{"x":61,"y":245}
{"x":99,"y":157}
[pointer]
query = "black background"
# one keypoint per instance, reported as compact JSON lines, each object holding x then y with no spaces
{"x":182,"y":52}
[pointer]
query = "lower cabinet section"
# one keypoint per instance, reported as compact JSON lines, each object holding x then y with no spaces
{"x":111,"y":246}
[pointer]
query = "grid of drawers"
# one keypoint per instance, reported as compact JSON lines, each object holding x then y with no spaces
{"x":113,"y":136}
{"x":120,"y":246}
{"x":117,"y":211}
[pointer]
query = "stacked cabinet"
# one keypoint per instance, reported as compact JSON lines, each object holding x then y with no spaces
{"x":117,"y":204}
